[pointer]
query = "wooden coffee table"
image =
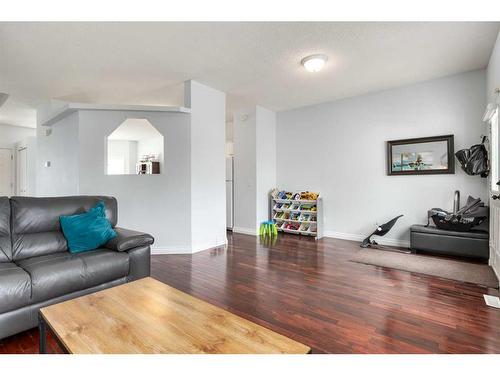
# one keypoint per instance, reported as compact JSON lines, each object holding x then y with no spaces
{"x":147,"y":316}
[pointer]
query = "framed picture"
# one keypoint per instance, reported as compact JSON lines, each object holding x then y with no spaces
{"x":428,"y":155}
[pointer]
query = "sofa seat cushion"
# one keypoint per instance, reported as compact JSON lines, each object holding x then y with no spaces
{"x":58,"y":274}
{"x":15,"y":287}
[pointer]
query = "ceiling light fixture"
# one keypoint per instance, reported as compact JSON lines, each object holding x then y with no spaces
{"x":314,"y":63}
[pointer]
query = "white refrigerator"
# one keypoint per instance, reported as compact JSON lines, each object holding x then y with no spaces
{"x":229,"y":192}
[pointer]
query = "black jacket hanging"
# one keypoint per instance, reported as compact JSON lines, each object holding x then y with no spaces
{"x":474,"y":160}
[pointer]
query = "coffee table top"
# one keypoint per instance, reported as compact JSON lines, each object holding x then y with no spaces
{"x":147,"y":316}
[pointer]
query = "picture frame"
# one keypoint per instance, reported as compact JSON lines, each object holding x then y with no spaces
{"x":420,"y":156}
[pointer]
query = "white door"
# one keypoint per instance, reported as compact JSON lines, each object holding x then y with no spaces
{"x":22,"y":171}
{"x":494,"y":194}
{"x":6,"y":175}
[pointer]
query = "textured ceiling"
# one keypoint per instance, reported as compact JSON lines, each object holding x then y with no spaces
{"x":254,"y":63}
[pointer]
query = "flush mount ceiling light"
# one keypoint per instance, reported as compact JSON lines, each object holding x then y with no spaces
{"x":314,"y":63}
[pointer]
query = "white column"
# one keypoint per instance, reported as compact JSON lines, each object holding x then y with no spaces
{"x":208,"y":165}
{"x":254,"y":167}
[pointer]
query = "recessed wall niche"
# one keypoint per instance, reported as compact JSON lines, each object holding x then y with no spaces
{"x":134,"y":147}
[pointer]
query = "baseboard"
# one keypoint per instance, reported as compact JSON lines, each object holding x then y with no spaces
{"x":252,"y":232}
{"x":342,"y":236}
{"x":166,"y":250}
{"x":171,"y":250}
{"x":360,"y":237}
{"x":204,"y":247}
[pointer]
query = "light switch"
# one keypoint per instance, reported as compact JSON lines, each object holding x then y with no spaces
{"x":47,"y":164}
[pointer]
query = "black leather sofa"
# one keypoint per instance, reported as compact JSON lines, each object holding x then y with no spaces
{"x":36,"y":268}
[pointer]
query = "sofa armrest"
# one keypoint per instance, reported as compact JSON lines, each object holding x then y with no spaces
{"x":127,"y":239}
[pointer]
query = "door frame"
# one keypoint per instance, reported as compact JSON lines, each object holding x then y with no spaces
{"x":494,"y":236}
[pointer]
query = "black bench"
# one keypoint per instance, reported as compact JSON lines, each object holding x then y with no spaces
{"x":474,"y":244}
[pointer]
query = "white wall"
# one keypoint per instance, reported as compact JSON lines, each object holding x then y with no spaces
{"x":157,"y":204}
{"x":245,"y":167}
{"x":208,"y":165}
{"x":10,"y":135}
{"x":152,"y":203}
{"x":229,"y":131}
{"x":339,"y":149}
{"x":184,"y":206}
{"x":254,"y":167}
{"x":148,"y":146}
{"x":124,"y":150}
{"x":266,"y":160}
{"x":60,"y":148}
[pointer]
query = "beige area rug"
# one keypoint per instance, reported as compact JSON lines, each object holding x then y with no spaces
{"x":480,"y":274}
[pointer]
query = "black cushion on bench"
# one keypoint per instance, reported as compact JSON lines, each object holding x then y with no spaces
{"x":472,"y":234}
{"x":465,"y":244}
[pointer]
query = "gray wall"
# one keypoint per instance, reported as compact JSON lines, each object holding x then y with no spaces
{"x":156,"y":204}
{"x":493,"y":73}
{"x":245,"y":172}
{"x":184,"y":206}
{"x":339,"y":149}
{"x":254,"y":167}
{"x":60,"y":148}
{"x":10,"y":135}
{"x":266,"y":160}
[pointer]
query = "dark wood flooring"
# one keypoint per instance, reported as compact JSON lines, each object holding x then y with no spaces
{"x":310,"y":291}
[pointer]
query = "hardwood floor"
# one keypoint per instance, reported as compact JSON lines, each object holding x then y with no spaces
{"x":310,"y":291}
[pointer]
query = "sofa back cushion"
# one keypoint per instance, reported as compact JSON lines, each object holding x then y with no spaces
{"x":5,"y":244}
{"x":36,"y":229}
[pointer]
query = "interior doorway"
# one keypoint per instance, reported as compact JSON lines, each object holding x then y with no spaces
{"x":6,"y":172}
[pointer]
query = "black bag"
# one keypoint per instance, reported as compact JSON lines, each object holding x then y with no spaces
{"x":474,"y":161}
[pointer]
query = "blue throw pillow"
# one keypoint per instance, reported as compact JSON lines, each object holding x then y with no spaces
{"x":87,"y":231}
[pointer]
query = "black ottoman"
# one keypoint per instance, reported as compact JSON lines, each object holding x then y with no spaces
{"x":474,"y":244}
